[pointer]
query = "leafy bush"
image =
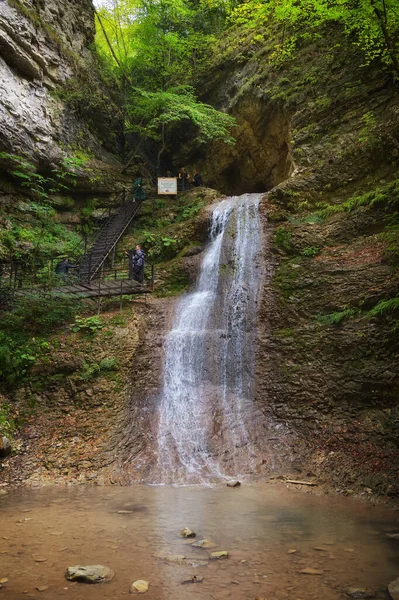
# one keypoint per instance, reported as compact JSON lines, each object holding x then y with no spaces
{"x":22,"y":330}
{"x":35,"y":314}
{"x":89,"y":325}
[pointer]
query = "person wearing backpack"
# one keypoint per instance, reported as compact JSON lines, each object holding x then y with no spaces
{"x":137,"y":264}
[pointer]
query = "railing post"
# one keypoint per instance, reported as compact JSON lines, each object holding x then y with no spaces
{"x":89,"y":273}
{"x":121,"y":298}
{"x":99,"y":296}
{"x":130,"y":264}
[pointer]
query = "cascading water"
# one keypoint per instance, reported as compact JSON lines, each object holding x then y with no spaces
{"x":206,"y":403}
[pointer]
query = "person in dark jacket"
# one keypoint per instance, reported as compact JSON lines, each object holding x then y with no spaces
{"x":137,"y":258}
{"x":62,"y":267}
{"x":183,"y":178}
{"x":138,"y":190}
{"x":197,"y":179}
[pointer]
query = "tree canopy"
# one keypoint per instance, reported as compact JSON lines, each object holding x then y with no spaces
{"x":159,"y":51}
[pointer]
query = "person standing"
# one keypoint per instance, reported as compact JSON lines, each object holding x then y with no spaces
{"x":183,"y":177}
{"x":138,"y":190}
{"x":137,"y":263}
{"x":63,"y":266}
{"x":197,"y":179}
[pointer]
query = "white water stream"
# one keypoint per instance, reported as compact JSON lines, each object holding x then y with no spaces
{"x":206,"y":402}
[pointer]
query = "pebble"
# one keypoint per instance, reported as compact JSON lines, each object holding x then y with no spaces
{"x":219,"y":555}
{"x":311,"y":571}
{"x":233,"y":484}
{"x":140,"y":587}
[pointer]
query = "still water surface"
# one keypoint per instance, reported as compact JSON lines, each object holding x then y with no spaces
{"x":43,"y":532}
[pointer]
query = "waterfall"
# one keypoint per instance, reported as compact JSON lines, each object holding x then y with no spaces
{"x":206,"y":401}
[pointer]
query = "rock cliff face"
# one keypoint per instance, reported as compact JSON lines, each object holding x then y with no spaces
{"x":43,"y":47}
{"x":326,"y":130}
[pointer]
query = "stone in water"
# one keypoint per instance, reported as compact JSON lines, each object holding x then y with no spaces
{"x":89,"y":574}
{"x":187,"y":533}
{"x":139,"y":587}
{"x":203,"y":544}
{"x":233,"y":484}
{"x":219,"y":555}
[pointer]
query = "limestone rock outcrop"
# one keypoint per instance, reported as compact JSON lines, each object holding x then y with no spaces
{"x":43,"y":47}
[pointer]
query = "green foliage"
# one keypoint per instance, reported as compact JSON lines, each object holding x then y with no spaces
{"x":372,"y":25}
{"x":311,"y":251}
{"x":22,"y":330}
{"x":90,"y":325}
{"x":7,"y":422}
{"x":189,"y":211}
{"x":159,"y":50}
{"x":384,"y":306}
{"x":35,"y":314}
{"x":39,"y":185}
{"x":151,"y":112}
{"x":118,"y":321}
{"x":336,"y":318}
{"x":390,"y":237}
{"x":387,"y":195}
{"x":283,"y":239}
{"x":91,"y":369}
{"x":382,"y":309}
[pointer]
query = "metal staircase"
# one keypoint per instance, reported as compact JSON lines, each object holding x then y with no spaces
{"x":92,"y":263}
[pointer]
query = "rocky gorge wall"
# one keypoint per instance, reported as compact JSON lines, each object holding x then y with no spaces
{"x":321,"y":132}
{"x":50,"y":90}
